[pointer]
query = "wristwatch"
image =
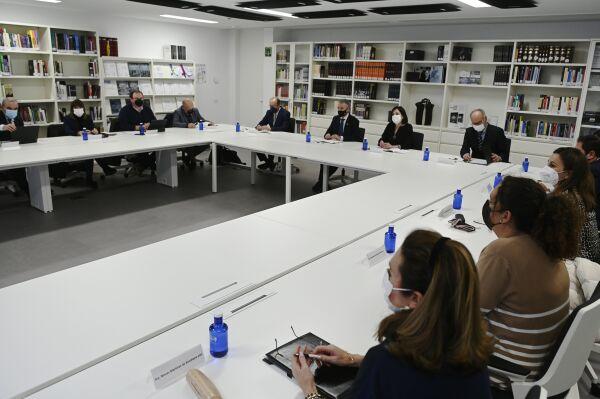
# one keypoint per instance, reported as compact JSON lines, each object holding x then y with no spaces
{"x":314,"y":395}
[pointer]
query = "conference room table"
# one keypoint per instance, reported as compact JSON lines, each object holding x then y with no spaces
{"x":338,"y":297}
{"x":57,"y":325}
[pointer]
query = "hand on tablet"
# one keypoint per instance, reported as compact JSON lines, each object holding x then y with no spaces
{"x":302,"y":373}
{"x":467,"y":157}
{"x":331,"y":354}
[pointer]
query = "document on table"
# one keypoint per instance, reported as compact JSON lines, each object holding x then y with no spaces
{"x":328,"y":141}
{"x":396,"y":151}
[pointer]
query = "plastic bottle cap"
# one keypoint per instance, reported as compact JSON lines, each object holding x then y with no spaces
{"x":457,"y":191}
{"x":218,"y":315}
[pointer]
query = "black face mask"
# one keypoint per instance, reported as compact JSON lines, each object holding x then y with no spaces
{"x":273,"y":109}
{"x":486,"y":213}
{"x":139,"y":102}
{"x":341,"y":113}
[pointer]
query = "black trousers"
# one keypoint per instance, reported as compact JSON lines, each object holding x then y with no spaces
{"x":60,"y":170}
{"x":144,"y":160}
{"x":105,"y":163}
{"x":332,"y":170}
{"x":19,"y":177}
{"x":194,"y":151}
{"x":265,"y":158}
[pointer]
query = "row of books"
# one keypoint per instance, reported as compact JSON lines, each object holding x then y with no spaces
{"x":109,"y":46}
{"x":123,"y":88}
{"x":503,"y":53}
{"x":343,"y":89}
{"x":32,"y":115}
{"x":365,"y":91}
{"x":300,"y":110}
{"x":523,"y":127}
{"x":393,"y":93}
{"x":338,"y":70}
{"x":572,"y":76}
{"x":5,"y":65}
{"x":38,"y":68}
{"x":126,"y":69}
{"x":527,"y":74}
{"x":516,"y":102}
{"x":93,"y":70}
{"x":77,"y":43}
{"x":282,"y":73}
{"x":545,"y":54}
{"x":362,"y":111}
{"x":596,"y":59}
{"x":558,"y":105}
{"x":301,"y":127}
{"x":65,"y":91}
{"x":322,"y":88}
{"x":29,"y":40}
{"x":6,"y":90}
{"x":501,"y":75}
{"x":173,"y":71}
{"x":319,"y":106}
{"x":282,"y":91}
{"x":365,"y":52}
{"x":389,"y":71}
{"x":300,"y":92}
{"x":301,"y":74}
{"x":283,"y":56}
{"x":91,"y":91}
{"x":330,"y":51}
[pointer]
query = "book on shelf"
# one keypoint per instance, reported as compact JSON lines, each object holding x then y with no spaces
{"x":75,"y":43}
{"x":122,"y":70}
{"x":322,"y":88}
{"x":545,"y":54}
{"x":339,"y":70}
{"x":461,"y":53}
{"x":5,"y":65}
{"x":502,"y":75}
{"x":516,"y":102}
{"x":385,"y":71}
{"x":319,"y":106}
{"x":469,"y":77}
{"x":32,"y":115}
{"x":115,"y":105}
{"x":37,"y":67}
{"x":93,"y":70}
{"x":437,"y":74}
{"x":443,"y":52}
{"x":343,"y":89}
{"x":283,"y":55}
{"x":301,"y":127}
{"x":596,"y":59}
{"x":519,"y":125}
{"x":282,"y":91}
{"x":300,"y":92}
{"x":366,"y":52}
{"x":91,"y":91}
{"x":503,"y":53}
{"x":30,"y":40}
{"x":109,"y":46}
{"x":138,"y":70}
{"x":337,"y":51}
{"x":457,"y":116}
{"x":282,"y":73}
{"x":572,"y":76}
{"x":527,"y":74}
{"x":558,"y":105}
{"x":65,"y":91}
{"x":301,"y":74}
{"x":362,"y":111}
{"x":393,"y":93}
{"x":365,"y":90}
{"x":6,"y":90}
{"x":300,"y":110}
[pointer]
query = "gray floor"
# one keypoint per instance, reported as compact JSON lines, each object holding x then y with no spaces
{"x":127,"y":213}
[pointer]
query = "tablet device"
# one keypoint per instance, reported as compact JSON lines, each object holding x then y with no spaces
{"x":26,"y":134}
{"x":158,"y":124}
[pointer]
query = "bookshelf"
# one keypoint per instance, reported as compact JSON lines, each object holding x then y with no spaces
{"x":34,"y":63}
{"x":292,"y":81}
{"x":165,"y":83}
{"x":468,"y":74}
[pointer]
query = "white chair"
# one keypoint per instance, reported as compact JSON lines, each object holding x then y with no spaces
{"x":570,"y":354}
{"x":537,"y":392}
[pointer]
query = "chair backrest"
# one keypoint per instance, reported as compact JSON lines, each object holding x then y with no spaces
{"x":537,"y":392}
{"x":572,"y":348}
{"x":56,"y":130}
{"x":361,"y":134}
{"x":506,"y":157}
{"x":169,"y":118}
{"x":114,"y":125}
{"x":292,"y":126}
{"x":417,"y":141}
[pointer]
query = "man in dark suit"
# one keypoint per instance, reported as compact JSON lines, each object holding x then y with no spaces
{"x":276,"y":119}
{"x":484,"y":141}
{"x":343,"y":127}
{"x":10,"y":120}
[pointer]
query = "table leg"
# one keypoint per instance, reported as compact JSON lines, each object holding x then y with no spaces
{"x":355,"y":176}
{"x":288,"y":180}
{"x":40,"y":193}
{"x":325,"y":177}
{"x":166,"y":168}
{"x":213,"y":151}
{"x":252,"y":167}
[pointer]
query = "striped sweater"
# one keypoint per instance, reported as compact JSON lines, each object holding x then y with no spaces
{"x":525,"y":300}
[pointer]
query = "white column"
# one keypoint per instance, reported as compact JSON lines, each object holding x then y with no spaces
{"x":325,"y":177}
{"x":288,"y":180}
{"x":40,"y":193}
{"x":213,"y":148}
{"x":252,"y":167}
{"x":166,"y":168}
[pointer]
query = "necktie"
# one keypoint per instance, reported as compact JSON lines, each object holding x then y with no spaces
{"x":481,"y":138}
{"x":342,"y":126}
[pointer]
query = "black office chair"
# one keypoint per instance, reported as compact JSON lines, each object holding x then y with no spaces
{"x":417,"y":141}
{"x":169,"y":118}
{"x":280,"y":161}
{"x":342,"y":177}
{"x":63,"y":172}
{"x":292,"y":127}
{"x":506,"y":155}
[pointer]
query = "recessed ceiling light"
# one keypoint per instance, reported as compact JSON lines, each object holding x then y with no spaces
{"x":50,"y":1}
{"x":271,"y":12}
{"x":204,"y":21}
{"x":475,"y":3}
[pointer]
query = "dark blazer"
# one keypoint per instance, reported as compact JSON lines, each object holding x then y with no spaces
{"x":129,"y":118}
{"x":351,"y":128}
{"x":403,"y":138}
{"x":5,"y":136}
{"x":494,"y":142}
{"x":595,"y":168}
{"x":181,"y":118}
{"x":282,"y":124}
{"x":73,"y":124}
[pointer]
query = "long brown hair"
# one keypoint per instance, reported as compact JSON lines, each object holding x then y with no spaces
{"x":447,"y":328}
{"x":580,"y":179}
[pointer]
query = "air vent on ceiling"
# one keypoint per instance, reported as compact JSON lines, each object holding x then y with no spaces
{"x":512,"y":3}
{"x":181,"y":4}
{"x":330,"y":14}
{"x":238,"y":14}
{"x":352,"y":1}
{"x":270,"y":4}
{"x":420,"y":9}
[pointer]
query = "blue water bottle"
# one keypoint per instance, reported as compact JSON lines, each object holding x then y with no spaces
{"x":308,"y":137}
{"x":218,"y":337}
{"x":526,"y":165}
{"x":237,"y":127}
{"x":458,"y":197}
{"x":84,"y":134}
{"x":390,"y":240}
{"x":201,"y":126}
{"x":142,"y":129}
{"x":497,"y":179}
{"x":426,"y":154}
{"x":365,"y":146}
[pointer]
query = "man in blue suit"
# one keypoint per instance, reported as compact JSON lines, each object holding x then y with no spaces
{"x":276,"y":119}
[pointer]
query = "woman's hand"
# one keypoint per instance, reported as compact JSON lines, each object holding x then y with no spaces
{"x":385,"y":146}
{"x":302,"y":373}
{"x":333,"y":355}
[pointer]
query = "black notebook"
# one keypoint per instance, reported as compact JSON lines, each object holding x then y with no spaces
{"x":332,"y":381}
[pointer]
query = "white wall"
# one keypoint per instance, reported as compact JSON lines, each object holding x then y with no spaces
{"x":144,"y":39}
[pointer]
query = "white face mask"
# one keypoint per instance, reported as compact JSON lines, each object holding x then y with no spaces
{"x":479,"y":128}
{"x":78,"y":112}
{"x":388,"y":288}
{"x":397,"y":119}
{"x":549,"y":175}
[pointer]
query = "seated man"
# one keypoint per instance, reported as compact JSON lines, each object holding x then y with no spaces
{"x":10,"y":120}
{"x":484,"y":141}
{"x":590,"y":146}
{"x":344,"y":127}
{"x":188,"y":116}
{"x":131,"y":117}
{"x":276,"y":119}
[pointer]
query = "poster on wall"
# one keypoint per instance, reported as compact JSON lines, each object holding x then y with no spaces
{"x":268,"y":51}
{"x":202,"y":73}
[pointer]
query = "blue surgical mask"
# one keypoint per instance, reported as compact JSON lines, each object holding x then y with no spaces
{"x":11,"y":114}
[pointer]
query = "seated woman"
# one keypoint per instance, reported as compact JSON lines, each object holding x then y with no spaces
{"x":435,"y":344}
{"x":398,"y":133}
{"x":569,"y":172}
{"x":523,"y":279}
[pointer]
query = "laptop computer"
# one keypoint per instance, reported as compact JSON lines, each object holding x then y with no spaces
{"x":158,"y":124}
{"x":26,"y":134}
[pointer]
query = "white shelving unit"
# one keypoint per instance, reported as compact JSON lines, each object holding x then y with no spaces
{"x":441,"y":135}
{"x":40,"y":91}
{"x":294,"y":69}
{"x":592,"y":94}
{"x":170,"y":81}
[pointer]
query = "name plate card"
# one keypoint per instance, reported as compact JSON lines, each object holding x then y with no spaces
{"x":376,"y":256}
{"x":169,"y":372}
